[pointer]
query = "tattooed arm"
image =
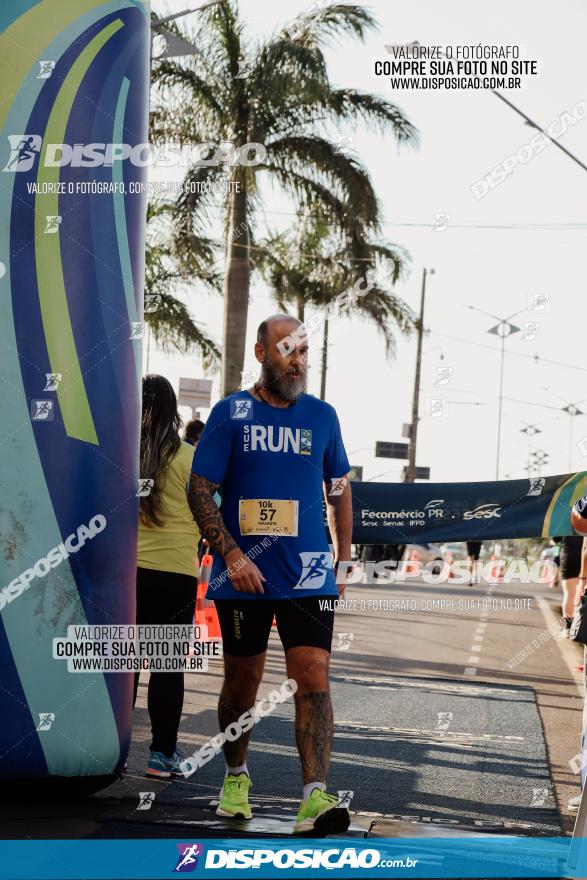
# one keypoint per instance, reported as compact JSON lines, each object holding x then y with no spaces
{"x":243,"y":572}
{"x":207,"y":514}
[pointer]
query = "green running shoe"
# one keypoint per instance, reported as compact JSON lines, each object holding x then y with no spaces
{"x":233,"y":801}
{"x":321,"y":815}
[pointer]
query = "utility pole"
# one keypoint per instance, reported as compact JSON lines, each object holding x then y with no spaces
{"x":411,"y":468}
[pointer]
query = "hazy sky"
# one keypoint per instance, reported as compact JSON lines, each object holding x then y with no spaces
{"x":492,"y":255}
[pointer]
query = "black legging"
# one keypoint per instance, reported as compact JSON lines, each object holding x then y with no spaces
{"x":164,"y":597}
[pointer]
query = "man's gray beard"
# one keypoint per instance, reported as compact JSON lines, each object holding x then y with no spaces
{"x":275,"y":382}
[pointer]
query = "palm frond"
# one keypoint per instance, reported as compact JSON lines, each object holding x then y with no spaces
{"x":174,"y":328}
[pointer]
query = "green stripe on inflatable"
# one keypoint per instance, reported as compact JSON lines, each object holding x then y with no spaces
{"x":73,"y":399}
{"x":9,"y":14}
{"x":28,"y":36}
{"x":120,"y":219}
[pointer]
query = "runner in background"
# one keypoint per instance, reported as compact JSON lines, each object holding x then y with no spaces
{"x":166,"y":558}
{"x":556,"y":543}
{"x":570,"y":569}
{"x":473,"y":552}
{"x":276,"y":452}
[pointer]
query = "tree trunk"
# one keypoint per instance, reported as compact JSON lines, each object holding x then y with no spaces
{"x":301,"y":307}
{"x":324,"y":361}
{"x":236,"y":289}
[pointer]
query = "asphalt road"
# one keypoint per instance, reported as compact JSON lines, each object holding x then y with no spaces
{"x":433,"y":727}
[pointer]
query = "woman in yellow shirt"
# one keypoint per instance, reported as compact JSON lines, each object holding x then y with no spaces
{"x":166,"y":558}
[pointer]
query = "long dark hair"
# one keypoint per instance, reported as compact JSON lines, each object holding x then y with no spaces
{"x":160,"y":441}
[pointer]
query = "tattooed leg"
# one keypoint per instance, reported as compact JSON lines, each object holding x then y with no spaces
{"x":314,"y":732}
{"x":314,"y":719}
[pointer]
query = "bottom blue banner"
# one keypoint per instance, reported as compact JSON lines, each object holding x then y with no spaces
{"x":410,"y":857}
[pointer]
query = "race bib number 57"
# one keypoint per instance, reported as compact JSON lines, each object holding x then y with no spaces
{"x":268,"y":516}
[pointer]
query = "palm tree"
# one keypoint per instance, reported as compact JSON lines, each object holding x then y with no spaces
{"x":167,"y":316}
{"x":309,"y":265}
{"x":275,"y":93}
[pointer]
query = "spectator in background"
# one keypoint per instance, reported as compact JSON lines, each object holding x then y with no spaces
{"x":166,"y":558}
{"x":556,"y":543}
{"x":579,"y":523}
{"x":193,"y":432}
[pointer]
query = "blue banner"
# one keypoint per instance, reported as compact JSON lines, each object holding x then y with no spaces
{"x":384,"y":513}
{"x":474,"y":856}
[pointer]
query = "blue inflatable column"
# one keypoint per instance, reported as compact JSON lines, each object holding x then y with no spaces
{"x":75,"y":79}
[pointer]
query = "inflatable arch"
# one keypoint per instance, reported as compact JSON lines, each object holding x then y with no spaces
{"x":71,"y":289}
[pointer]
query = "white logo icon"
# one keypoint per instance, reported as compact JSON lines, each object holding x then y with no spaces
{"x":146,"y":799}
{"x":241,"y":409}
{"x":342,"y":142}
{"x":529,"y":331}
{"x":47,"y":68}
{"x":315,"y":567}
{"x":52,"y":223}
{"x":247,"y":378}
{"x":443,"y":375}
{"x":152,"y":302}
{"x":539,"y":796}
{"x":444,"y":719}
{"x":145,"y":487}
{"x":24,"y":148}
{"x":345,"y":798}
{"x":245,"y":69}
{"x":46,"y":719}
{"x":344,"y":641}
{"x":536,"y":486}
{"x":338,"y":486}
{"x":441,"y":222}
{"x":42,"y":410}
{"x":438,"y":408}
{"x":538,"y":302}
{"x":53,"y":380}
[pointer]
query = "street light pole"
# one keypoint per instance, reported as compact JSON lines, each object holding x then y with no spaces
{"x":503,"y":329}
{"x":177,"y":47}
{"x":499,"y":414}
{"x":572,"y":410}
{"x":411,"y":468}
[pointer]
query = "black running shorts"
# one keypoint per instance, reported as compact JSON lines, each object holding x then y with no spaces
{"x":246,"y":623}
{"x":570,"y":559}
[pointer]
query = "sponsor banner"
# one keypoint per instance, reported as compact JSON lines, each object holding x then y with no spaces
{"x":436,"y":512}
{"x":285,"y":857}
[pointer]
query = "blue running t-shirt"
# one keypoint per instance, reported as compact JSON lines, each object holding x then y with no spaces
{"x":271,"y":463}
